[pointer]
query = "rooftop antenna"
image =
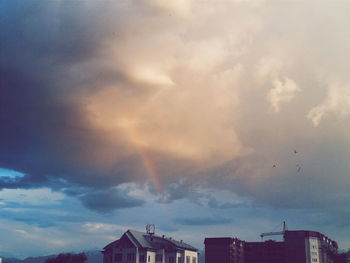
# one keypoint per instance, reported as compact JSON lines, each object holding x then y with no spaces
{"x":151,"y":229}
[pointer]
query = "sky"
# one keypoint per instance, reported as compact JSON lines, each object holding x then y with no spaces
{"x":205,"y":118}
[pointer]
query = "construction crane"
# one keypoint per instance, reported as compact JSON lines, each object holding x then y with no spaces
{"x":275,"y":233}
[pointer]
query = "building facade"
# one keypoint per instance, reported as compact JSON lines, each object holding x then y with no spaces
{"x":299,"y":246}
{"x":309,"y":247}
{"x":269,"y":251}
{"x":139,"y":247}
{"x":224,"y":250}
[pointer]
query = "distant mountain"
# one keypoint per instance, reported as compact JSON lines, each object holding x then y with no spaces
{"x":5,"y":255}
{"x":92,"y":257}
{"x":27,"y":260}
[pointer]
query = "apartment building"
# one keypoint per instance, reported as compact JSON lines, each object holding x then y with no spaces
{"x":269,"y":251}
{"x":224,"y":250}
{"x":299,"y":246}
{"x":139,"y":247}
{"x":308,"y":246}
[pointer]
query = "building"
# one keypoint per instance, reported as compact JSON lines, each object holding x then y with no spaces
{"x":309,"y":247}
{"x":224,"y":249}
{"x":139,"y":247}
{"x":299,"y":246}
{"x":269,"y":251}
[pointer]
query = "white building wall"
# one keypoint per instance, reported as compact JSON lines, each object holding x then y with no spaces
{"x":191,"y":255}
{"x":312,"y":250}
{"x":151,"y":257}
{"x":180,"y":257}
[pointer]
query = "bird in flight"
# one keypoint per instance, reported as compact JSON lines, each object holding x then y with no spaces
{"x":295,"y":151}
{"x":299,"y":168}
{"x":274,"y":166}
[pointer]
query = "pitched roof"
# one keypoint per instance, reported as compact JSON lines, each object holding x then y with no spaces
{"x":140,"y":238}
{"x":144,"y":240}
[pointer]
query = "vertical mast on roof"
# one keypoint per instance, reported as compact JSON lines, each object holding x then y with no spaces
{"x":150,"y":229}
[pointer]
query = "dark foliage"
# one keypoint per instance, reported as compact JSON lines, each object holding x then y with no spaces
{"x":68,"y":258}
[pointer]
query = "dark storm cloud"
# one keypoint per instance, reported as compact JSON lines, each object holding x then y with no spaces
{"x":33,"y":106}
{"x":54,"y":56}
{"x":42,"y":124}
{"x":199,"y":104}
{"x":107,"y":200}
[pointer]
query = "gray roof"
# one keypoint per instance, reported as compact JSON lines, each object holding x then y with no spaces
{"x":144,"y":240}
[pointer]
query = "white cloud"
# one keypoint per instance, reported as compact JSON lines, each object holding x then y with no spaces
{"x":152,"y":77}
{"x":336,"y":102}
{"x":178,"y":7}
{"x":282,"y":92}
{"x":101,"y":228}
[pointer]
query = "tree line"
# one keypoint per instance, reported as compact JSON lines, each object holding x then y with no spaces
{"x":67,"y":258}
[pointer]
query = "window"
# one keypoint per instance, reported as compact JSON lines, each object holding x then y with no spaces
{"x":314,"y":260}
{"x":159,"y":257}
{"x":188,"y":259}
{"x":142,"y":258}
{"x":118,"y":257}
{"x":149,"y":258}
{"x":179,"y":260}
{"x":194,"y":260}
{"x":130,"y":257}
{"x":171,"y":259}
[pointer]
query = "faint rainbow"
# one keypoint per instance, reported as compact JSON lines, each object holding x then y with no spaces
{"x":148,"y":162}
{"x":151,"y":167}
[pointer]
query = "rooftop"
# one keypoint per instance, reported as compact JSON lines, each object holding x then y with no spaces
{"x":144,"y":240}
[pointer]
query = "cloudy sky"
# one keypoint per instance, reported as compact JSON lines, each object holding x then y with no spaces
{"x":206,"y":118}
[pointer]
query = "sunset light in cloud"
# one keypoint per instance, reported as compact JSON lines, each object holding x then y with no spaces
{"x":213,"y":118}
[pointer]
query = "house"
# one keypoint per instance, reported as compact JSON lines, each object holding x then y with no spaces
{"x":139,"y":247}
